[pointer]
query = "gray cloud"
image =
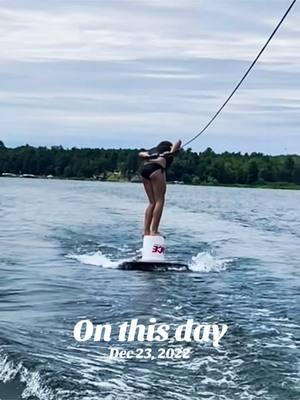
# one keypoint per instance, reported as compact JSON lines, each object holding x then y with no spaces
{"x":127,"y":73}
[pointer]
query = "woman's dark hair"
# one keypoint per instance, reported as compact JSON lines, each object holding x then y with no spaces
{"x":164,"y":146}
{"x":161,"y":148}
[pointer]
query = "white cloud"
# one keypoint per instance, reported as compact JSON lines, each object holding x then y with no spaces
{"x":142,"y":66}
{"x":114,"y":33}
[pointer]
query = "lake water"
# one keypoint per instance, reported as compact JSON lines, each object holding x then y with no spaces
{"x":60,"y":245}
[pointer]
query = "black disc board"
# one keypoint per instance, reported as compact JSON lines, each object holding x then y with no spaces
{"x":137,"y":265}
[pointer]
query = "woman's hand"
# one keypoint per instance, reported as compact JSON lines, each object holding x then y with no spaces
{"x":144,"y":155}
{"x":176,"y":146}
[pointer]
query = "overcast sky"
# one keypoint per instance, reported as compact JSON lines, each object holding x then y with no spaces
{"x":129,"y":73}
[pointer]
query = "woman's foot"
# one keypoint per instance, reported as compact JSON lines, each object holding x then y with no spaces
{"x":155,"y":234}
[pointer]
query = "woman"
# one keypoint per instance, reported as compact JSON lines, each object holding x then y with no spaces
{"x":157,"y":160}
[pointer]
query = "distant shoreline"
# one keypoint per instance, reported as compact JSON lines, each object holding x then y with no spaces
{"x":281,"y":186}
{"x":205,"y":168}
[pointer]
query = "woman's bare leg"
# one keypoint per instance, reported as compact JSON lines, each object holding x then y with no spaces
{"x":149,"y":210}
{"x":158,"y":181}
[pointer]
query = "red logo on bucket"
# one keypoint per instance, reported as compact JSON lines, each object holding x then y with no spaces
{"x":158,"y":249}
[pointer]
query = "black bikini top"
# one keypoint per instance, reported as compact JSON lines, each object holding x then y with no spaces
{"x":169,"y":159}
{"x":155,"y":154}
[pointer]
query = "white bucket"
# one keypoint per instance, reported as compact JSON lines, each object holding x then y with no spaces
{"x":154,"y":249}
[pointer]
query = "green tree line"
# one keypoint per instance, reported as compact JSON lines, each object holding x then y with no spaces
{"x":189,"y":166}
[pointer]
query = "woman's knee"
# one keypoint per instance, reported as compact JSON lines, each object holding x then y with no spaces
{"x":159,"y":202}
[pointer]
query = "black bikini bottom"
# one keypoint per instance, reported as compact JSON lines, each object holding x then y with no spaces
{"x":148,"y":169}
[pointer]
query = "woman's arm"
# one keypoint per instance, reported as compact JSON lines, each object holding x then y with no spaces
{"x":176,"y":146}
{"x":144,"y":154}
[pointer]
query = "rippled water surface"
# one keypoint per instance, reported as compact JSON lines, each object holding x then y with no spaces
{"x":60,"y":245}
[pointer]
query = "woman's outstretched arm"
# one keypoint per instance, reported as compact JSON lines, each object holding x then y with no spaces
{"x":176,"y":146}
{"x":144,"y":154}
